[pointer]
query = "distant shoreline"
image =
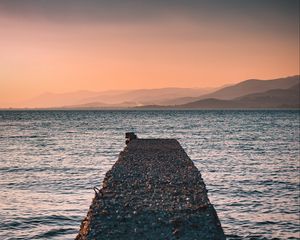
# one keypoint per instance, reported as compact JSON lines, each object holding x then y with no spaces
{"x":149,"y":109}
{"x":280,"y":93}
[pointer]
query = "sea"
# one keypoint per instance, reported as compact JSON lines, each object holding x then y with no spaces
{"x":51,"y":160}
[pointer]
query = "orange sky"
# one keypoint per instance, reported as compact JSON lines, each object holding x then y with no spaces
{"x":171,"y":51}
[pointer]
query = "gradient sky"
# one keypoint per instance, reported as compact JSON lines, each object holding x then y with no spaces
{"x":70,"y":45}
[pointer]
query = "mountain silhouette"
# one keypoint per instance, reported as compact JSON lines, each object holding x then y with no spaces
{"x":241,"y":89}
{"x":253,"y":93}
{"x":275,"y":98}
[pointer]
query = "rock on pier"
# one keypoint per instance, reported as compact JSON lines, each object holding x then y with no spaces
{"x":153,"y":191}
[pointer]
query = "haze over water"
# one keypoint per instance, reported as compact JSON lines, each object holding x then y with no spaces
{"x":51,"y":160}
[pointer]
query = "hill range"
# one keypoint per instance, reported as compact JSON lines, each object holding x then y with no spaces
{"x":275,"y":98}
{"x":252,"y":93}
{"x":276,"y":93}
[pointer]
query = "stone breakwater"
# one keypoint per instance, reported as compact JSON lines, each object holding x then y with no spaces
{"x":153,"y":191}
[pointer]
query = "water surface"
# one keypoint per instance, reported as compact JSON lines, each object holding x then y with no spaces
{"x":51,"y":160}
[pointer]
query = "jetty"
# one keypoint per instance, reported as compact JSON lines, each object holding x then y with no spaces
{"x":153,"y":191}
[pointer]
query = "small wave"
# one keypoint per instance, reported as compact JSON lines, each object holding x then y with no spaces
{"x":53,"y":233}
{"x":23,"y":223}
{"x":251,"y":237}
{"x":266,"y":222}
{"x":24,"y":136}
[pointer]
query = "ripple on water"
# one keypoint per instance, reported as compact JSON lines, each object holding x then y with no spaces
{"x":50,"y":161}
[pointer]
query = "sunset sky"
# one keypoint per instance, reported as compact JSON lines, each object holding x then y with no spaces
{"x":70,"y":45}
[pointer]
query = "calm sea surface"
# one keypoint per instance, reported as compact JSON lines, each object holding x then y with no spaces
{"x":51,"y":160}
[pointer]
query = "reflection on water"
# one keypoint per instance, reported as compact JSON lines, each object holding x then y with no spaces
{"x":50,"y":161}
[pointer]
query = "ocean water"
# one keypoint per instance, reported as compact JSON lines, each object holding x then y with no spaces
{"x":51,"y":160}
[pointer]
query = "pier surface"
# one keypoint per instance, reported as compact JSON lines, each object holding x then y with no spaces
{"x":153,"y":191}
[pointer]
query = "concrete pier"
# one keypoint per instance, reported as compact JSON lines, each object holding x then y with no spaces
{"x":153,"y":191}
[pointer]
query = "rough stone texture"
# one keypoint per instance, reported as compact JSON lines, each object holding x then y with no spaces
{"x":153,"y":191}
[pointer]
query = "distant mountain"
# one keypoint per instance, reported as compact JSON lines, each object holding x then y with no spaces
{"x":178,"y":101}
{"x":275,"y":98}
{"x":249,"y":93}
{"x":289,"y":98}
{"x":121,"y":98}
{"x":99,"y":105}
{"x":252,"y":86}
{"x":149,"y":96}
